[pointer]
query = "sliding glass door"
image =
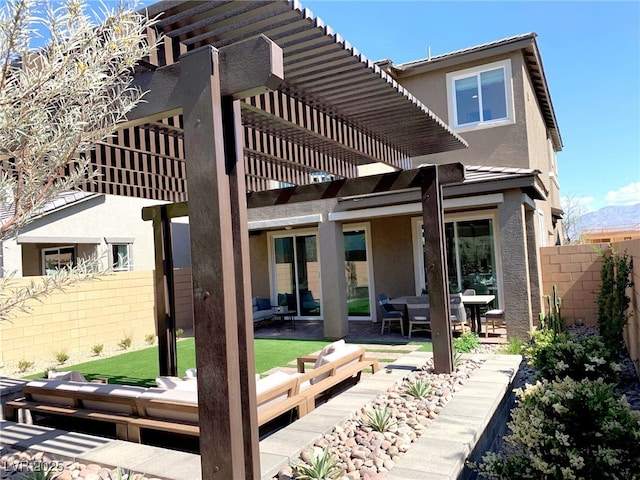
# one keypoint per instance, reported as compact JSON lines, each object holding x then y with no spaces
{"x":297,"y":273}
{"x":471,"y":255}
{"x":357,"y":270}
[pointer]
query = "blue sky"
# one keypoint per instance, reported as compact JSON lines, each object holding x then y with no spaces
{"x":591,"y":57}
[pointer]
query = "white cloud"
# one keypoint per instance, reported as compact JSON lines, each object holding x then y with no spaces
{"x":627,"y":195}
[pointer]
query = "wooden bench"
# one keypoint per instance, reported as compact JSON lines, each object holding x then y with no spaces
{"x":324,"y":381}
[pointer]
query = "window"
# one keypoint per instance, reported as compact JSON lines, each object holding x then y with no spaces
{"x":480,"y":96}
{"x":471,"y":255}
{"x":57,"y":258}
{"x":121,"y":257}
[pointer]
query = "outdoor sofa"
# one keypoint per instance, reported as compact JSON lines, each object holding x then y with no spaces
{"x":174,"y":407}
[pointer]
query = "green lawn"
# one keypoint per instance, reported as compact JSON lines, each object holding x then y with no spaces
{"x":141,"y":367}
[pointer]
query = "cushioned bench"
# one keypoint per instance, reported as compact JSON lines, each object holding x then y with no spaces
{"x":261,"y":309}
{"x":337,"y":365}
{"x":133,"y":409}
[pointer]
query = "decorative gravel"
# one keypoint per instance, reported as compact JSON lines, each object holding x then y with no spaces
{"x":364,"y":453}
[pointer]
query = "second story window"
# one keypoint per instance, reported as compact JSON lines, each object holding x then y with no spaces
{"x":480,"y":96}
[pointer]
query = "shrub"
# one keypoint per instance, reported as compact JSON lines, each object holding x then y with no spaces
{"x":577,"y":358}
{"x":323,"y":467}
{"x":24,"y":365}
{"x":539,"y":339}
{"x":515,"y":346}
{"x":61,"y":357}
{"x":568,"y":430}
{"x":97,"y":349}
{"x":613,"y":301}
{"x":125,"y":342}
{"x":150,"y":339}
{"x":179,"y":333}
{"x":465,"y":343}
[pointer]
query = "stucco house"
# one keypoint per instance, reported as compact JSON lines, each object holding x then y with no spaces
{"x":79,"y":225}
{"x":496,"y":97}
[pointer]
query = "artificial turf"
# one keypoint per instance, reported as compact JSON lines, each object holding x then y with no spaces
{"x":141,"y":367}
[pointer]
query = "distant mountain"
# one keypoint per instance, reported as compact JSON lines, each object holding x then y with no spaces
{"x":609,"y":217}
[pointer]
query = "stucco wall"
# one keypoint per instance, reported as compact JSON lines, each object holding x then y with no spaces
{"x":101,"y":311}
{"x":393,"y":256}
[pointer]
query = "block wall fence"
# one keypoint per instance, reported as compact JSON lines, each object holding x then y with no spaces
{"x":101,"y":311}
{"x":575,"y":269}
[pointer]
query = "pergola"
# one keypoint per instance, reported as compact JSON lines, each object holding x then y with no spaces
{"x":244,"y":92}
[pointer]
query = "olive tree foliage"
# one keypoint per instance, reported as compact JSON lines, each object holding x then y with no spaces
{"x":65,"y":82}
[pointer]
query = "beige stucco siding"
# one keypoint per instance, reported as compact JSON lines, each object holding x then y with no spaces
{"x":497,"y":146}
{"x":392,"y":245}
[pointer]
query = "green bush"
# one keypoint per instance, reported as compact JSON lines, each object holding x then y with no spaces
{"x":613,"y":301}
{"x":61,"y":357}
{"x":24,"y":365}
{"x":126,"y":342}
{"x":465,"y":343}
{"x":568,"y":430}
{"x":179,"y":333}
{"x":150,"y":339}
{"x":577,"y":358}
{"x":97,"y":349}
{"x":515,"y":346}
{"x":540,"y":339}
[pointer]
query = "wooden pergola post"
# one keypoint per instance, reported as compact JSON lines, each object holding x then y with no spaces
{"x":435,"y":272}
{"x":211,"y":82}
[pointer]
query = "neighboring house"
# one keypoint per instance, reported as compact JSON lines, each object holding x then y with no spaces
{"x":610,"y":234}
{"x":496,"y":97}
{"x":82,"y":225}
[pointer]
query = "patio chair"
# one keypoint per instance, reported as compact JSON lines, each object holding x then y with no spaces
{"x":418,"y":314}
{"x":389,"y":314}
{"x":458,"y":311}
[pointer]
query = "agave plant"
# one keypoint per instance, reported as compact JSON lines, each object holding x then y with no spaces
{"x":380,"y":419}
{"x":323,"y":467}
{"x":419,"y":389}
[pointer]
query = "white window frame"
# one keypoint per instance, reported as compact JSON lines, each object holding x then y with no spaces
{"x":372,"y":296}
{"x":476,"y":71}
{"x":418,"y":257}
{"x":55,"y":249}
{"x":112,"y":261}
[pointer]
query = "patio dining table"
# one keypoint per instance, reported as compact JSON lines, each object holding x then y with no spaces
{"x":473,"y":301}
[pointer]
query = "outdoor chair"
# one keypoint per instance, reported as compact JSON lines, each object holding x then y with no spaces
{"x":418,"y":314}
{"x":389,"y":314}
{"x":458,"y":311}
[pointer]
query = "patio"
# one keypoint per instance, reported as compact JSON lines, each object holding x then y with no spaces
{"x":361,"y":332}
